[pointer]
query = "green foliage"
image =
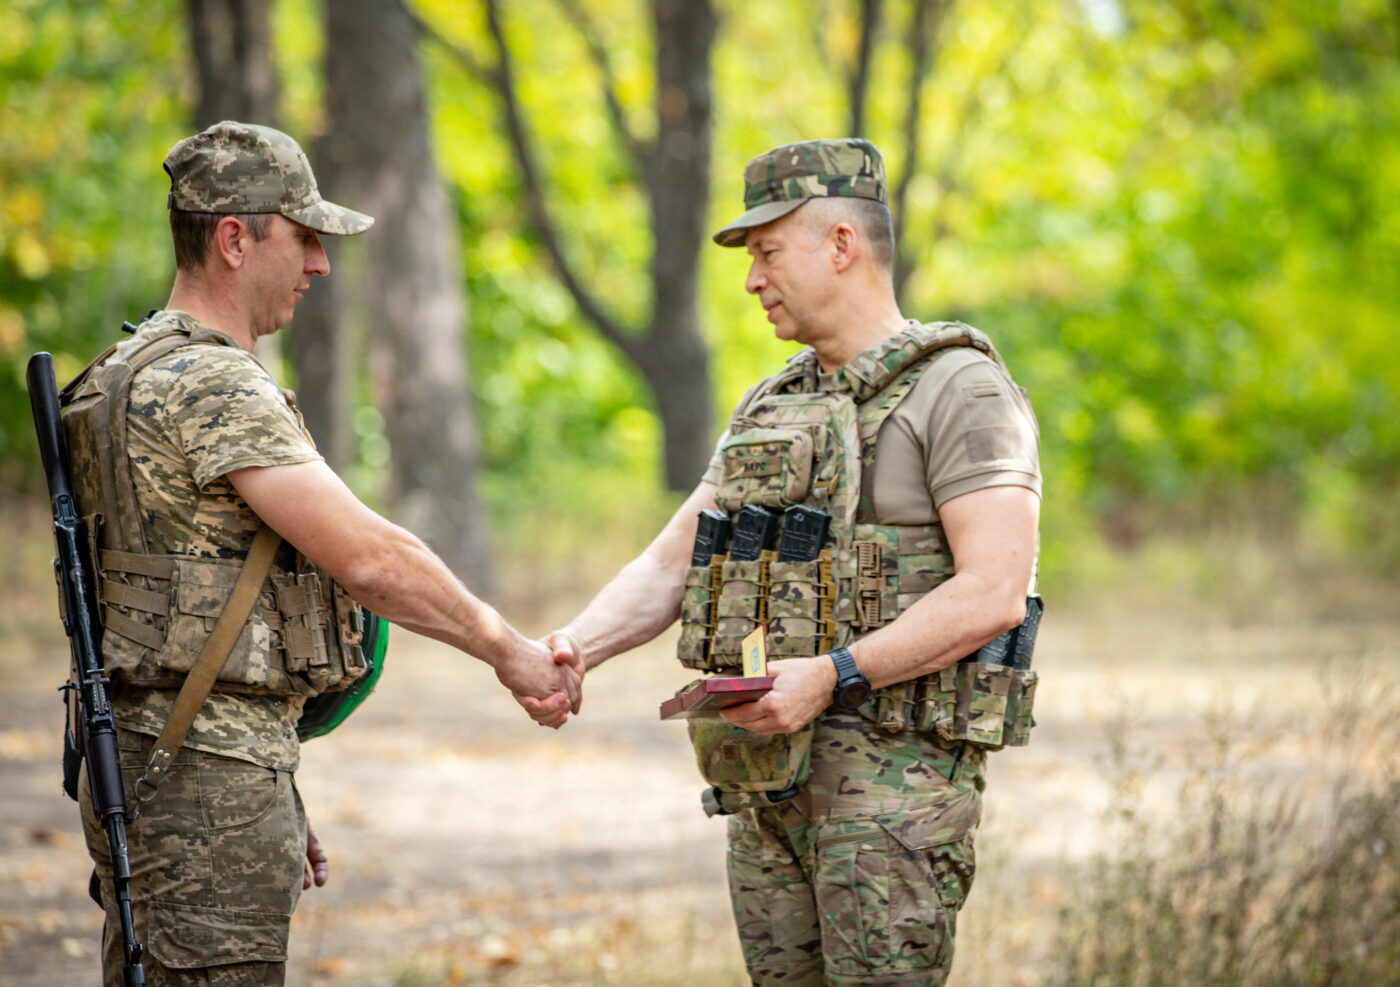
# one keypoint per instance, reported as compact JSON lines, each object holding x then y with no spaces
{"x":90,"y":101}
{"x":1180,"y":229}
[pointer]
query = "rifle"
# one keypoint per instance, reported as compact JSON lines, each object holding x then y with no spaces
{"x":95,"y":723}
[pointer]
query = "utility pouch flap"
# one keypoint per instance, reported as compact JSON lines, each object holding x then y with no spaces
{"x":771,"y":467}
{"x":927,"y":826}
{"x":189,"y":936}
{"x":202,"y":587}
{"x":737,"y":760}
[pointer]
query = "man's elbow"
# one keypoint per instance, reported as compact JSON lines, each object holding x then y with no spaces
{"x":1010,"y":611}
{"x":374,"y":575}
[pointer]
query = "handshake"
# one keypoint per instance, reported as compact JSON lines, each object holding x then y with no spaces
{"x":545,"y":677}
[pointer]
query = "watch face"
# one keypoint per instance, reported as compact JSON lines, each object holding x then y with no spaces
{"x":854,"y":694}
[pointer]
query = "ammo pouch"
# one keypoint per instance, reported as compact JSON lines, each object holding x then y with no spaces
{"x":726,"y":600}
{"x":750,"y":769}
{"x":970,"y":702}
{"x":301,"y":638}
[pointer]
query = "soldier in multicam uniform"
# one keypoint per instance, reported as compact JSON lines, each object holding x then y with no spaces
{"x":213,"y":452}
{"x":851,"y":841}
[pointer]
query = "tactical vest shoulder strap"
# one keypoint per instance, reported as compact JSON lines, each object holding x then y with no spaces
{"x":881,"y":379}
{"x":111,"y":380}
{"x":870,"y":372}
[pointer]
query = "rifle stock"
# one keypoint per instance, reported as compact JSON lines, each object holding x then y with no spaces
{"x":76,"y":579}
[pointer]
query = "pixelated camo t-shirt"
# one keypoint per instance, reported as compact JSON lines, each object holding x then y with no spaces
{"x":195,"y":415}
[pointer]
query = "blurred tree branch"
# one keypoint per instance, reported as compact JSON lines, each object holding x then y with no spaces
{"x":674,"y":169}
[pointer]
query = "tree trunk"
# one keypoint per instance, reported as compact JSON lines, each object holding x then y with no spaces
{"x":674,"y":359}
{"x":232,"y":45}
{"x":377,"y":150}
{"x":321,"y":341}
{"x":859,"y":80}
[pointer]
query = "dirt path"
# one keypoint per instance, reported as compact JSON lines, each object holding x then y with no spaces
{"x":470,"y":846}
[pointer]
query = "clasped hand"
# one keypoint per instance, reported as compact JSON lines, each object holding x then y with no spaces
{"x":548,"y":685}
{"x":556,"y":659}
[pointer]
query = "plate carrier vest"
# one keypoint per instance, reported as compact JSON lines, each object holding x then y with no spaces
{"x":789,"y":443}
{"x":305,"y":632}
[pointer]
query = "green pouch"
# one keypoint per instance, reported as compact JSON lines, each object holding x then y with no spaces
{"x":736,"y":760}
{"x":1019,"y":703}
{"x":325,"y":712}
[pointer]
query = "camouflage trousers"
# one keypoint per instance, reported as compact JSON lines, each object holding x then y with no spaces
{"x":859,"y":879}
{"x":216,"y":864}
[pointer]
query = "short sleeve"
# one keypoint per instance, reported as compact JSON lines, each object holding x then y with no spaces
{"x":964,"y":426}
{"x":715,"y":471}
{"x":227,"y":413}
{"x":980,"y":432}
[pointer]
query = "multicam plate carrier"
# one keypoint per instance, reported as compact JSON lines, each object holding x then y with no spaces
{"x":790,"y":443}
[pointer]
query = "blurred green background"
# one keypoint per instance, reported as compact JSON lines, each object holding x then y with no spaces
{"x":1176,"y":218}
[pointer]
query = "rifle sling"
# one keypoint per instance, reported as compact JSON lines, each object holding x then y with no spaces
{"x":205,"y":671}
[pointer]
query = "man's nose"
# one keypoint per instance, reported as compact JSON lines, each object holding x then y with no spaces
{"x":755,"y":281}
{"x":316,"y":260}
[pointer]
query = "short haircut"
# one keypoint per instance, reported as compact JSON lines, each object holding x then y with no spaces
{"x":871,"y":219}
{"x":194,"y":231}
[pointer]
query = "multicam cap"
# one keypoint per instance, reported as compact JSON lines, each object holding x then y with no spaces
{"x":244,"y":168}
{"x":780,"y":180}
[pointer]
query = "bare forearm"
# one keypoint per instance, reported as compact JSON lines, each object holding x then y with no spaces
{"x":644,"y":598}
{"x":410,"y":586}
{"x":992,"y":534}
{"x":641,"y":601}
{"x":948,"y":624}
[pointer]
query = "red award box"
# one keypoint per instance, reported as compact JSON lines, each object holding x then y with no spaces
{"x":708,"y":696}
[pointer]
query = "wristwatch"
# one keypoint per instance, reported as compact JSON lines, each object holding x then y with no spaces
{"x":852,"y":688}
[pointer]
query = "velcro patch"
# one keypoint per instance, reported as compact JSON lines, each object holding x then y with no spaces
{"x":995,"y":442}
{"x":737,"y":466}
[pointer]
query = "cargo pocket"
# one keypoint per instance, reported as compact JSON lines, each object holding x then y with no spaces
{"x":889,"y":886}
{"x":185,"y":937}
{"x":256,"y":832}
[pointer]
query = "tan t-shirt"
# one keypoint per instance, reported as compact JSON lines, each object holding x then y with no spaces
{"x":194,"y":415}
{"x":964,"y":426}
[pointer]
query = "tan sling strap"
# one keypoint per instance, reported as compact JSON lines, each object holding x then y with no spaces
{"x":205,"y":670}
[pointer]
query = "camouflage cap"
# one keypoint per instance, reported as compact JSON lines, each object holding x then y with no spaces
{"x":244,"y":168}
{"x":778,"y":181}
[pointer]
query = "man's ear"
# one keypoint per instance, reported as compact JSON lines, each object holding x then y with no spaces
{"x":230,"y":239}
{"x":845,"y":246}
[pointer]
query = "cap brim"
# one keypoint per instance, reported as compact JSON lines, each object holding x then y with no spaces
{"x":734,"y":234}
{"x":327,"y":217}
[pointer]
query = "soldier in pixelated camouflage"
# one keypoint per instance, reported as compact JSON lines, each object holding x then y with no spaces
{"x":183,"y":450}
{"x":853,"y":788}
